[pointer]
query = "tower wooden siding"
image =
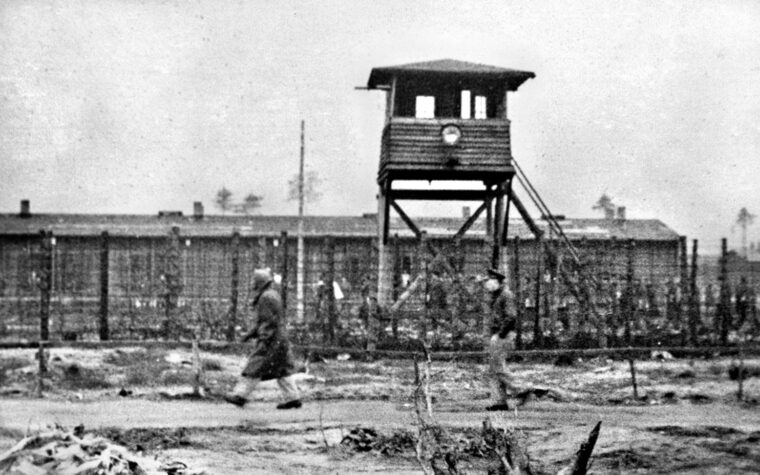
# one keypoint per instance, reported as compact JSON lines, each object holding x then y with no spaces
{"x":412,"y":149}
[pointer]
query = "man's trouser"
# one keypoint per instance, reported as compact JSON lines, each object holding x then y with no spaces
{"x":498,"y":351}
{"x":245,"y":387}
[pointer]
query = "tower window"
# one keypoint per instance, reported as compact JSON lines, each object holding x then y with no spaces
{"x":480,"y":107}
{"x":425,"y":107}
{"x":466,"y":105}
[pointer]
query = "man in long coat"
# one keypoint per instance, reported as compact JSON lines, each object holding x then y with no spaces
{"x":271,"y":357}
{"x":503,"y":324}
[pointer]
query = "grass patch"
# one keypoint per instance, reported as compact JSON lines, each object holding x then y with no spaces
{"x":124,"y":358}
{"x":145,"y":374}
{"x":142,"y":367}
{"x":211,"y":365}
{"x":10,"y":364}
{"x":715,"y":369}
{"x":76,"y":377}
{"x":176,"y":378}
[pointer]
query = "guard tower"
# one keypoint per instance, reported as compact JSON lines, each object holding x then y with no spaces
{"x":445,"y":120}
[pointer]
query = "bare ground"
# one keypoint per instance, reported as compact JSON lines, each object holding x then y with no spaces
{"x":687,"y":419}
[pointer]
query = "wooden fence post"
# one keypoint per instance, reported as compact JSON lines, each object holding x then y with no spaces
{"x":330,"y":291}
{"x":396,"y":283}
{"x":173,"y":284}
{"x":538,"y":336}
{"x":423,"y":263}
{"x":284,"y":267}
{"x":41,"y":367}
{"x":683,"y":305}
{"x":497,"y":227}
{"x":633,"y":378}
{"x":104,"y":256}
{"x":550,"y":314}
{"x":45,"y":282}
{"x":724,"y":303}
{"x":517,"y":280}
{"x":630,"y":302}
{"x":460,"y":315}
{"x":694,"y":314}
{"x":235,"y":287}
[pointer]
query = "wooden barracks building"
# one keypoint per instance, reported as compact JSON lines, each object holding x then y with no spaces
{"x":137,"y":247}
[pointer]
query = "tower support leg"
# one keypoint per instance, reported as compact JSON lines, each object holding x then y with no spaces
{"x":497,"y":226}
{"x":385,"y":251}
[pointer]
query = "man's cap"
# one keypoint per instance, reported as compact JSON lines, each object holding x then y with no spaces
{"x":494,"y":274}
{"x":261,"y":277}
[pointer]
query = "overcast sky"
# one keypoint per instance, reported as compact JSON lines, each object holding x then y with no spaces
{"x":134,"y":106}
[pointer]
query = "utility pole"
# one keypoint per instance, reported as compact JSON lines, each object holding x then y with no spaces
{"x":299,"y":235}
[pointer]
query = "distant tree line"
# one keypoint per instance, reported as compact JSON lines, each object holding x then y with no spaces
{"x":225,"y":202}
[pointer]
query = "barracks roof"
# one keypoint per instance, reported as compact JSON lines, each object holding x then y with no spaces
{"x":346,"y":226}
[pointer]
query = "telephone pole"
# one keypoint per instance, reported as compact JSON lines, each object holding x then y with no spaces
{"x":299,"y":232}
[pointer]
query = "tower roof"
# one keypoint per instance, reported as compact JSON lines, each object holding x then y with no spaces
{"x":449,"y":67}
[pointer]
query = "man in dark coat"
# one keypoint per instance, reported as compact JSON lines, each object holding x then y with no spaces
{"x":503,"y":324}
{"x":271,"y":357}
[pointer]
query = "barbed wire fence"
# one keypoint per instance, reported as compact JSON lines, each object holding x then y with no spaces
{"x":181,"y":287}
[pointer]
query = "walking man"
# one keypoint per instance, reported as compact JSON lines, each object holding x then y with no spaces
{"x":503,"y":324}
{"x":271,"y":357}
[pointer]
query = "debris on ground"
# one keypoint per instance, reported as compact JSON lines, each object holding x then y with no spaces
{"x":746,"y":372}
{"x":364,"y":439}
{"x":148,"y":439}
{"x":662,"y":355}
{"x":72,"y":452}
{"x":533,"y":394}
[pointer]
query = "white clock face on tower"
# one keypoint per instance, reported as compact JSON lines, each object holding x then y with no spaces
{"x":450,"y":134}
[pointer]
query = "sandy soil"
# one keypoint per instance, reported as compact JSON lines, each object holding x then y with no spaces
{"x":686,"y":419}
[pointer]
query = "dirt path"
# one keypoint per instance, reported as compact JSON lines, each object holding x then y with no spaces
{"x":677,"y":438}
{"x":20,"y":414}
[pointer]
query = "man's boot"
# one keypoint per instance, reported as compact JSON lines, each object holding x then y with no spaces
{"x":239,"y":401}
{"x":502,"y":406}
{"x":294,"y":404}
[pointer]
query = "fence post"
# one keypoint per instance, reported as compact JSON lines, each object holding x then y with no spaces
{"x":235,"y":287}
{"x":629,"y":304}
{"x":550,"y":314}
{"x":538,"y":336}
{"x":694,"y":314}
{"x":497,"y":227}
{"x":104,"y":254}
{"x":423,"y":262}
{"x":45,"y":282}
{"x":173,"y":283}
{"x":612,"y":319}
{"x":517,"y":280}
{"x":632,"y":366}
{"x":460,"y":315}
{"x":284,"y":268}
{"x":684,"y":285}
{"x":330,"y":290}
{"x":724,"y":304}
{"x":396,"y":283}
{"x":41,"y":368}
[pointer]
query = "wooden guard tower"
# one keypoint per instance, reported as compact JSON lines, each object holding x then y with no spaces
{"x":445,"y":120}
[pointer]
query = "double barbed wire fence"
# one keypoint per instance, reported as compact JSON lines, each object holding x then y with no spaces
{"x":180,"y":287}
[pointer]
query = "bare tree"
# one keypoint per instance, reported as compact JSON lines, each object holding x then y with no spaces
{"x":223,"y":199}
{"x":605,"y":205}
{"x":744,"y":219}
{"x":312,"y":183}
{"x":250,"y":203}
